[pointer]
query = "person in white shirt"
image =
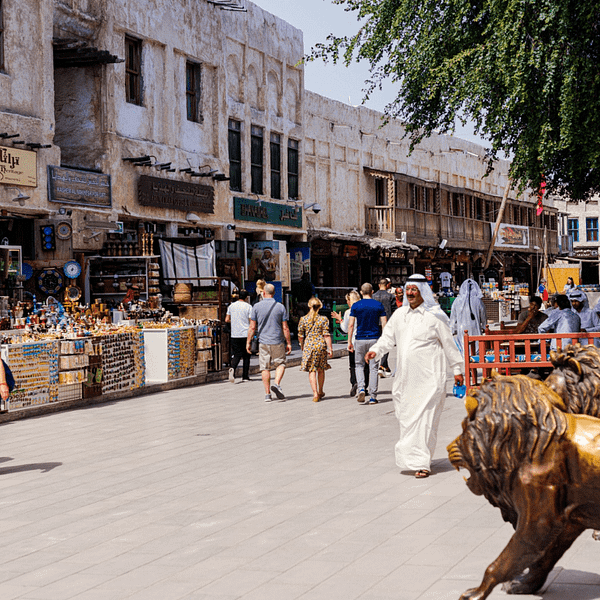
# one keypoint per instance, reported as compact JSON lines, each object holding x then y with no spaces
{"x":238,"y":314}
{"x":446,"y":281}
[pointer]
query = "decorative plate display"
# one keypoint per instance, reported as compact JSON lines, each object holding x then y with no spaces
{"x":72,"y":269}
{"x":50,"y":281}
{"x":64,"y":231}
{"x":26,"y":270}
{"x":73,"y":293}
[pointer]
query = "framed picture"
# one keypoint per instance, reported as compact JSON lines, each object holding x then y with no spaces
{"x":231,"y":247}
{"x":217,"y":246}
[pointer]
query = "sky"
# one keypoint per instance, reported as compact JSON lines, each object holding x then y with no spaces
{"x":317,"y":19}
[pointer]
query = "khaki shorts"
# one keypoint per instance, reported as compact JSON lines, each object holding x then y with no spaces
{"x":270,"y":354}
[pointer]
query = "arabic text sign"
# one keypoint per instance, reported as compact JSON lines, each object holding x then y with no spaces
{"x":180,"y":195}
{"x":72,"y":186}
{"x":18,"y":167}
{"x":245,"y":209}
{"x":512,"y":236}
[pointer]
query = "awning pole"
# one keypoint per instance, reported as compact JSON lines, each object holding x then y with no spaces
{"x":498,"y":222}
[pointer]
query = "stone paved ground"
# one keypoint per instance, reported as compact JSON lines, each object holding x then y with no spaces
{"x":209,"y":493}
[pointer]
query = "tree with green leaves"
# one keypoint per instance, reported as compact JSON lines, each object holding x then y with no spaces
{"x":526,"y":72}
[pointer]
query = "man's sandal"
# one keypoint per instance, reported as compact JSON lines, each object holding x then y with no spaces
{"x":422,"y":473}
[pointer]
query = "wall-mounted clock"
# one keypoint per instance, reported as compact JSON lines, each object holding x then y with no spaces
{"x":72,"y":269}
{"x":64,"y":231}
{"x":50,"y":281}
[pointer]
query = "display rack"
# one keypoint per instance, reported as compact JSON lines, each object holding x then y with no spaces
{"x":112,"y":276}
{"x":92,"y":387}
{"x":123,"y":365}
{"x":204,"y":353}
{"x":35,"y":368}
{"x":169,"y":353}
{"x":73,"y":360}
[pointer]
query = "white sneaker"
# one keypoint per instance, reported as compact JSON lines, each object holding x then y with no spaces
{"x":277,"y":391}
{"x":231,"y":375}
{"x":268,"y":398}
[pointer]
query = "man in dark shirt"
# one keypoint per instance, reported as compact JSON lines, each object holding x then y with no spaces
{"x":365,"y":316}
{"x":383,"y":296}
{"x":530,"y":318}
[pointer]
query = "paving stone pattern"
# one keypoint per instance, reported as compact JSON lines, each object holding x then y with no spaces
{"x":209,"y":493}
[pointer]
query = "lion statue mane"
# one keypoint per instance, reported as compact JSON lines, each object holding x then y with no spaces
{"x":576,"y":378}
{"x":539,"y":465}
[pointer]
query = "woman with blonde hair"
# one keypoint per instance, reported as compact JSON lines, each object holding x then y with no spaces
{"x":315,"y":342}
{"x":351,"y":297}
{"x":260,"y":288}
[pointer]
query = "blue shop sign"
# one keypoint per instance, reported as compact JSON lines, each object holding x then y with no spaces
{"x":245,"y":209}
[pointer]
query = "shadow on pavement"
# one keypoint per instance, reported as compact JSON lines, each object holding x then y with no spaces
{"x":43,"y":467}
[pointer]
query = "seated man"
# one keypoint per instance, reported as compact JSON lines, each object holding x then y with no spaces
{"x":531,"y":318}
{"x":590,"y":320}
{"x":561,"y":320}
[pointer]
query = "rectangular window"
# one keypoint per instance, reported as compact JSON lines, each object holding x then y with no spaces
{"x":573,"y":229}
{"x":235,"y":155}
{"x":380,"y":192}
{"x":192,"y":91}
{"x":1,"y":36}
{"x":275,"y":165}
{"x":591,"y":229}
{"x":457,"y":204}
{"x":293,"y":170}
{"x":133,"y":70}
{"x":256,"y":160}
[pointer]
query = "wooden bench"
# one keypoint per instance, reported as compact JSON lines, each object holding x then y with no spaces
{"x":511,"y":353}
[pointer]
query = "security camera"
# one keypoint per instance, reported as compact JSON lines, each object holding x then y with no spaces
{"x":316,"y":208}
{"x":230,"y":227}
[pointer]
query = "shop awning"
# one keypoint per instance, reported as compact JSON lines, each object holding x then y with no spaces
{"x":77,"y":53}
{"x":372,"y":242}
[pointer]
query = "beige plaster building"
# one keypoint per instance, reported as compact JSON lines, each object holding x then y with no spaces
{"x":186,"y":121}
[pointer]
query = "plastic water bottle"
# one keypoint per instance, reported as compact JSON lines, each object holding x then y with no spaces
{"x":459,"y":391}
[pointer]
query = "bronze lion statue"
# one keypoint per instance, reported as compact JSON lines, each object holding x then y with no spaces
{"x":540,"y":465}
{"x":576,"y":378}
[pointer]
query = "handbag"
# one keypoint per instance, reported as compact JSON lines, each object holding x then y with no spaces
{"x":10,"y":378}
{"x":254,"y":340}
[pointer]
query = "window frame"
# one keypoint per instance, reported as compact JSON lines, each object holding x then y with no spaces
{"x":193,"y":91}
{"x":275,"y":155}
{"x":257,"y":151}
{"x":234,"y":140}
{"x":133,"y":70}
{"x":573,"y":232}
{"x":2,"y":38}
{"x":293,"y":169}
{"x":591,"y":229}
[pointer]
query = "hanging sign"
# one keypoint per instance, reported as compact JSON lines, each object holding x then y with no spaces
{"x":18,"y":167}
{"x":511,"y":236}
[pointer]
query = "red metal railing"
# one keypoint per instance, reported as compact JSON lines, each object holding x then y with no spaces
{"x":508,"y":353}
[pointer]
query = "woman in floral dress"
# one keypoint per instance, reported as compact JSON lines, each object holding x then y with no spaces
{"x":315,"y":342}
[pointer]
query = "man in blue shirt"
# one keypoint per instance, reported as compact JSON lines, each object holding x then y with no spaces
{"x":365,"y":316}
{"x":270,"y":319}
{"x":590,"y":320}
{"x":561,"y":320}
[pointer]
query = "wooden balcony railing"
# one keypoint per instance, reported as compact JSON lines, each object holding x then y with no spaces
{"x":380,"y":220}
{"x":385,"y":221}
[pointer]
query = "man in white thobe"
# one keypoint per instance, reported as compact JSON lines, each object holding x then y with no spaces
{"x":425,"y":350}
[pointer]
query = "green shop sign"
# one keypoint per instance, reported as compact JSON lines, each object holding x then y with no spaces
{"x":245,"y":209}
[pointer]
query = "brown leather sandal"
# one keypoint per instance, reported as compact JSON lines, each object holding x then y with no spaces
{"x":422,"y":473}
